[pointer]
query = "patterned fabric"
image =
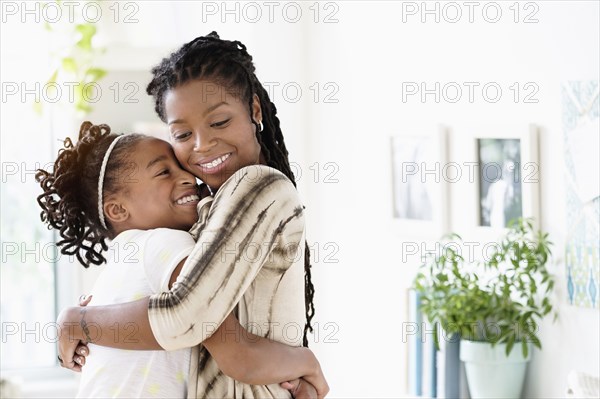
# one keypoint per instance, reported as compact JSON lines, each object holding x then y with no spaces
{"x":249,"y":257}
{"x":139,"y":263}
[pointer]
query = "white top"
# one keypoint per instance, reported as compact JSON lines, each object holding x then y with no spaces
{"x":139,"y":264}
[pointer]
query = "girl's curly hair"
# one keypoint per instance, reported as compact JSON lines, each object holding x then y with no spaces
{"x":70,"y":191}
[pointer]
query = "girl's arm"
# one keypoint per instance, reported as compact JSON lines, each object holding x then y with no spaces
{"x":239,"y":354}
{"x":252,"y":359}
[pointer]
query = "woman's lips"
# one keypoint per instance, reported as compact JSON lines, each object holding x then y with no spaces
{"x":214,"y":165}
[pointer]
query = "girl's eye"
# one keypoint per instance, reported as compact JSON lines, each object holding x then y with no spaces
{"x":163,"y":172}
{"x":182,"y":136}
{"x":219,"y":124}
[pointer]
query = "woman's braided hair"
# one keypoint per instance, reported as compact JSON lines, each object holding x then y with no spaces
{"x":70,"y":190}
{"x":228,"y":64}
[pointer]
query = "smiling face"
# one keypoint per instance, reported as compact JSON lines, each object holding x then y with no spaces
{"x":156,"y":192}
{"x":211,"y":130}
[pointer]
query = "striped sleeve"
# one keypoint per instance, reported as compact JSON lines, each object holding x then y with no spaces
{"x":255,"y":212}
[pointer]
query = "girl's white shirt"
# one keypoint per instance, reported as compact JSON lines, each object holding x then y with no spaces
{"x":139,"y":264}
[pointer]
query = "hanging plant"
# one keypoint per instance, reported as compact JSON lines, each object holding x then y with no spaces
{"x":75,"y":61}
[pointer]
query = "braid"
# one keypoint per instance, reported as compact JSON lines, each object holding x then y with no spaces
{"x":69,"y":200}
{"x":228,"y":63}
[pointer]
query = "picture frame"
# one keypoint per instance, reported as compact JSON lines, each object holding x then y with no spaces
{"x":419,"y":191}
{"x":500,"y":175}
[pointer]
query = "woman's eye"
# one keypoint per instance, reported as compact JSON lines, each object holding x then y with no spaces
{"x":219,"y":124}
{"x":182,"y":136}
{"x":163,"y":172}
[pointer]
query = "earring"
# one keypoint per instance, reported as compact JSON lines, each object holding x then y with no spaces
{"x":260,"y":126}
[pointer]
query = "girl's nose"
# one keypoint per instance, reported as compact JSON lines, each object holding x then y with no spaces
{"x":185,"y":178}
{"x":188,"y":179}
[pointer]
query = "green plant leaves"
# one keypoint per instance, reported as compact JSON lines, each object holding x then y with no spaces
{"x":94,"y":74}
{"x":69,"y":65}
{"x":87,"y":32}
{"x":76,"y":66}
{"x":508,"y":307}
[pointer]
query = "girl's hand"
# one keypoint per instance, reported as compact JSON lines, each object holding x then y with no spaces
{"x":71,"y":352}
{"x":317,"y":381}
{"x":312,"y":376}
{"x":301,"y":389}
{"x":82,"y":348}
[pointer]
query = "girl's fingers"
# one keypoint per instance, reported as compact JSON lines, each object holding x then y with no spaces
{"x":80,"y":360}
{"x":82,"y":350}
{"x":290,"y":385}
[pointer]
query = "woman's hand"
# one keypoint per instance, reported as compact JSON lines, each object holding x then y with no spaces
{"x":71,"y":351}
{"x":301,"y":389}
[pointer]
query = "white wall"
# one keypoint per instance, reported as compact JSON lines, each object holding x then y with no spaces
{"x":369,"y":53}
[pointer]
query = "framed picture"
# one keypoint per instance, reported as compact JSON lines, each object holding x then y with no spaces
{"x":503,"y":178}
{"x":419,"y":202}
{"x":499,"y":181}
{"x":581,"y":124}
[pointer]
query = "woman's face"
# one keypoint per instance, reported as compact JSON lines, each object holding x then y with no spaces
{"x":211,"y":130}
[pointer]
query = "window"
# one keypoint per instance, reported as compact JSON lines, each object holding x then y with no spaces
{"x":30,"y":292}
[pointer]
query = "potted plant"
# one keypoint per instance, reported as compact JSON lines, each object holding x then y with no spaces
{"x":494,"y":305}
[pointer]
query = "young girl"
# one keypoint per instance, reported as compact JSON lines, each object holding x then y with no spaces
{"x":250,"y":256}
{"x":131,"y":190}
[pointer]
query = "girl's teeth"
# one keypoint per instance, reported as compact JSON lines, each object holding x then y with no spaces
{"x":187,"y":199}
{"x":215,"y":163}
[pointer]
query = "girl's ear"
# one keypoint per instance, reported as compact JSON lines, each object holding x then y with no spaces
{"x":115,"y":211}
{"x":256,"y":111}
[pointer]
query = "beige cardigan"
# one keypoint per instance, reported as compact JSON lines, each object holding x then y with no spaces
{"x":250,"y":254}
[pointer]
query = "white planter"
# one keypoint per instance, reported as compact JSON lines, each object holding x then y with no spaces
{"x":492,"y":374}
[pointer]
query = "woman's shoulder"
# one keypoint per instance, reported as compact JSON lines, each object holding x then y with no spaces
{"x":262,"y":196}
{"x":256,"y":178}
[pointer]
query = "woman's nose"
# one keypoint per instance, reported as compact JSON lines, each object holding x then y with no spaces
{"x":203,"y":141}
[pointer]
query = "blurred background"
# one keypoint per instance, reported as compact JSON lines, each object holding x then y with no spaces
{"x":349,"y":79}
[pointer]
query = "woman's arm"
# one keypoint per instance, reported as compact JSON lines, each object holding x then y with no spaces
{"x":256,"y":360}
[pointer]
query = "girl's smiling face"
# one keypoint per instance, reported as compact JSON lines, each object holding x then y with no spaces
{"x":156,"y":192}
{"x":211,"y":130}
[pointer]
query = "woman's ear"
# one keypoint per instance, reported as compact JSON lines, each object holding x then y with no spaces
{"x":115,"y":211}
{"x":256,"y":111}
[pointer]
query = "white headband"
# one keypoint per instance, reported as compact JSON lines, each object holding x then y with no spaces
{"x":101,"y":180}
